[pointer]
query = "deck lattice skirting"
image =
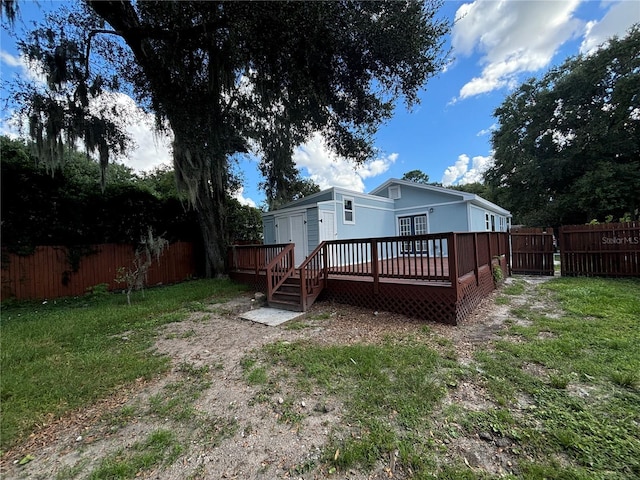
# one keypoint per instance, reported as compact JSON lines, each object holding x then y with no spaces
{"x":437,"y":277}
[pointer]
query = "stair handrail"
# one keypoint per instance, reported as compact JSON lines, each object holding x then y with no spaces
{"x":284,"y":273}
{"x":309,"y":282}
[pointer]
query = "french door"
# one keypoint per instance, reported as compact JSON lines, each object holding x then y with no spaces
{"x":413,"y":225}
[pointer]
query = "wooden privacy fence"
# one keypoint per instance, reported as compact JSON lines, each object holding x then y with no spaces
{"x":52,"y":272}
{"x":608,"y":250}
{"x":532,"y":251}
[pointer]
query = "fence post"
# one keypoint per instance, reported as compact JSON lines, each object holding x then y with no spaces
{"x":374,"y":266}
{"x":256,"y":250}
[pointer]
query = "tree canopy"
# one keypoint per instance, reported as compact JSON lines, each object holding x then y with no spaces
{"x":229,"y":77}
{"x":71,"y":209}
{"x":417,"y":176}
{"x":567,"y":149}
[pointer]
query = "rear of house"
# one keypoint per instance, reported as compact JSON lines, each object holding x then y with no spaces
{"x":395,"y":208}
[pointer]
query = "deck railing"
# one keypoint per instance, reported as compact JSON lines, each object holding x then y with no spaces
{"x":312,"y":273}
{"x":417,"y":257}
{"x":437,"y":258}
{"x":253,"y":257}
{"x":279,"y":269}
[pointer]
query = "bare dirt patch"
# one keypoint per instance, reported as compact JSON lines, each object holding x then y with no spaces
{"x":228,"y":434}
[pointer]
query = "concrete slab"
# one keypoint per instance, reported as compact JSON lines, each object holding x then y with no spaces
{"x":270,"y":316}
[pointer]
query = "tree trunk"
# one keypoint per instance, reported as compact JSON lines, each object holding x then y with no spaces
{"x":201,"y":171}
{"x":211,"y":213}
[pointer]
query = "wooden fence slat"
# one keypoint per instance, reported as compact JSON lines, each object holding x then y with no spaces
{"x":42,"y":275}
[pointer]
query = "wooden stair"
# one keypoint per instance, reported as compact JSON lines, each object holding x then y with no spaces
{"x":287,"y":296}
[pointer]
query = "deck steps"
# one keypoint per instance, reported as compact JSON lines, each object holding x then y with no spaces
{"x":287,"y":296}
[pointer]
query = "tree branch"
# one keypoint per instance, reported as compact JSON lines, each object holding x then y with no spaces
{"x":92,"y":34}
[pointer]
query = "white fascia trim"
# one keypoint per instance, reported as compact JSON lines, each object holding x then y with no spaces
{"x":288,"y":211}
{"x":351,"y":193}
{"x":490,"y":206}
{"x":433,"y":188}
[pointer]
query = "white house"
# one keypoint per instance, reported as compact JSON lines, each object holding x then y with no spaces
{"x":395,"y":208}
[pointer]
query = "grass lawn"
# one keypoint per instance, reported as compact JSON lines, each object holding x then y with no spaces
{"x":564,"y":386}
{"x":60,"y":355}
{"x":560,"y":389}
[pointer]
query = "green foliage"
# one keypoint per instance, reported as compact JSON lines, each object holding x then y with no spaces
{"x":244,"y":223}
{"x":389,"y":391}
{"x":227,"y":77}
{"x":75,"y":351}
{"x":496,"y":271}
{"x":567,"y":149}
{"x":160,"y":448}
{"x":286,"y":187}
{"x":417,"y":176}
{"x":69,"y":208}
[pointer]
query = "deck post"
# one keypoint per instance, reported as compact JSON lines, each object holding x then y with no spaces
{"x":325,"y":263}
{"x":303,"y":290}
{"x":374,"y":266}
{"x":256,"y":250}
{"x":476,"y":259}
{"x":452,"y":241}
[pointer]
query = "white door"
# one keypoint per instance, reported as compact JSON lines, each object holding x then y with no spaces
{"x":283,"y":230}
{"x":292,"y":229}
{"x":298,"y":236}
{"x":327,"y":230}
{"x":327,"y":225}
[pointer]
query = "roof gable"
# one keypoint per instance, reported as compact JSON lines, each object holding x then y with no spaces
{"x":455,"y":195}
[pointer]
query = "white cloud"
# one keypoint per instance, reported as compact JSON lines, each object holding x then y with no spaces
{"x":328,"y":170}
{"x":10,"y":60}
{"x":239,"y":195}
{"x":620,"y":16}
{"x":150,"y":149}
{"x":461,"y":173}
{"x":511,"y":37}
{"x":22,"y":67}
{"x":487,"y":131}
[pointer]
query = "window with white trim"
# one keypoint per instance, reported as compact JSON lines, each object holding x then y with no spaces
{"x":349,"y":216}
{"x":486,"y":221}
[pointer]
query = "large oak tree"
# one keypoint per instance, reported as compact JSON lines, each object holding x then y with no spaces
{"x":230,"y":77}
{"x":567,"y":149}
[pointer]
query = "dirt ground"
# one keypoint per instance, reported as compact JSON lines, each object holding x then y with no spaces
{"x":259,"y":446}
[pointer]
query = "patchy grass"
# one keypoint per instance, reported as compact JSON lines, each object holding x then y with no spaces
{"x":562,"y":392}
{"x":160,"y":448}
{"x":389,"y":392}
{"x":580,"y":372}
{"x":59,"y":355}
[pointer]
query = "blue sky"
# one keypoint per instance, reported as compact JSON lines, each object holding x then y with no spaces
{"x":495,"y":46}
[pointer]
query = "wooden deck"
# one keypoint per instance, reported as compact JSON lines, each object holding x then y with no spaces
{"x":443,"y":281}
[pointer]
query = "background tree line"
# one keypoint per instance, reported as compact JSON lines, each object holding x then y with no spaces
{"x":567,"y":146}
{"x":68,"y":206}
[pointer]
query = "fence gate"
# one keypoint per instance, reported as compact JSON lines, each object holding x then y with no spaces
{"x":532,"y":251}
